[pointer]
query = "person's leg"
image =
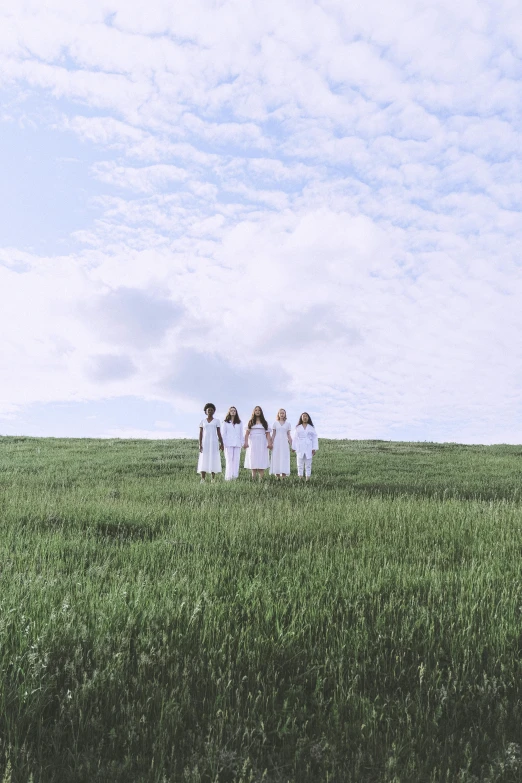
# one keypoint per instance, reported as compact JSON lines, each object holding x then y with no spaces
{"x":203,"y":474}
{"x":228,"y":456}
{"x":235,"y":464}
{"x":308,"y":467}
{"x":300,"y":465}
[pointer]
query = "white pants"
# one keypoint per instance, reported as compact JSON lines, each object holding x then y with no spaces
{"x":232,"y":454}
{"x":304,"y":464}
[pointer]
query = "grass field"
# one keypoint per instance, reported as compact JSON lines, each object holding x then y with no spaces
{"x":364,"y":627}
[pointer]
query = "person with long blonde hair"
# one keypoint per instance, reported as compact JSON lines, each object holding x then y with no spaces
{"x":257,"y":443}
{"x":281,"y":445}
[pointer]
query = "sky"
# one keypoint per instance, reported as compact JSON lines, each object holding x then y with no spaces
{"x":313,"y":205}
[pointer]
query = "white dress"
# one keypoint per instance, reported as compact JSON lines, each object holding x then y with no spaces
{"x":280,"y":461}
{"x":209,"y":459}
{"x":256,"y":457}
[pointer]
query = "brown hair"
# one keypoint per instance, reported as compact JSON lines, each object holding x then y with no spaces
{"x":261,"y":418}
{"x":301,"y":419}
{"x":228,"y":417}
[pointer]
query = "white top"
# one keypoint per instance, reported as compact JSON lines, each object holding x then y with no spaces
{"x":305,"y":440}
{"x":232,"y":434}
{"x":280,"y":426}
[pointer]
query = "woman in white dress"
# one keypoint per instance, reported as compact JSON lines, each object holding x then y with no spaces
{"x":281,"y":445}
{"x":257,"y":443}
{"x":210,"y":442}
{"x":233,"y":442}
{"x":305,"y":443}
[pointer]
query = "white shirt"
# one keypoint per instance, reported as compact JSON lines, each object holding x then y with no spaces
{"x":305,"y":441}
{"x":232,"y":434}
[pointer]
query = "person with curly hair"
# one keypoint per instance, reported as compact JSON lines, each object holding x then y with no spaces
{"x":210,"y":443}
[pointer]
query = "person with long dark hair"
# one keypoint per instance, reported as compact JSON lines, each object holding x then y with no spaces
{"x":257,"y":443}
{"x":232,"y":431}
{"x":210,"y":442}
{"x":305,"y":443}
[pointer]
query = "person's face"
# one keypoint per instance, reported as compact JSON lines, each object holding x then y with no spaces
{"x":282,"y":414}
{"x":257,"y":411}
{"x":306,"y":418}
{"x":232,"y":411}
{"x":209,"y":411}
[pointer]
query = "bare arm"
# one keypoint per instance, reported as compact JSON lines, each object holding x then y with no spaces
{"x":269,"y":439}
{"x":247,"y":433}
{"x":201,"y":438}
{"x":220,"y":438}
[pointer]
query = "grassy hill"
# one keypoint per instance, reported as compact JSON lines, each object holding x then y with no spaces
{"x":364,"y":627}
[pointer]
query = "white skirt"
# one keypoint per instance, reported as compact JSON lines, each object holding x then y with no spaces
{"x":209,"y":460}
{"x":280,"y":460}
{"x":256,"y":457}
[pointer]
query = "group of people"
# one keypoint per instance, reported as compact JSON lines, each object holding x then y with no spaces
{"x":265,"y":448}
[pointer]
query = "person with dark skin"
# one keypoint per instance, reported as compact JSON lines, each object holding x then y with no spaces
{"x":210,"y":444}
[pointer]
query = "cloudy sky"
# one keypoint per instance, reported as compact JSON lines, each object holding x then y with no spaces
{"x":314,"y":205}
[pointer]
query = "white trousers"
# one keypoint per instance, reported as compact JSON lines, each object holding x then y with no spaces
{"x":232,"y":454}
{"x":304,"y":464}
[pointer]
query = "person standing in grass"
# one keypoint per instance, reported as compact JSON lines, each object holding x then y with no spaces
{"x":210,"y":442}
{"x":281,"y":444}
{"x":233,"y":442}
{"x":305,"y":443}
{"x":257,"y":443}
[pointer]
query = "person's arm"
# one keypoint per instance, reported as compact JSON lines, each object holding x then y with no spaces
{"x":269,"y":439}
{"x":315,"y":442}
{"x":289,"y":436}
{"x":201,"y":438}
{"x":294,"y":441}
{"x":247,"y":433}
{"x":220,"y":439}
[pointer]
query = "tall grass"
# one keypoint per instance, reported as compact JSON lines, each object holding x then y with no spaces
{"x":363,"y":627}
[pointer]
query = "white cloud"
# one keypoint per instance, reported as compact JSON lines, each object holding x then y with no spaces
{"x":307,"y":199}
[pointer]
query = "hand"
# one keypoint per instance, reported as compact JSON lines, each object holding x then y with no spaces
{"x":245,"y":446}
{"x":221,"y":447}
{"x":201,"y":449}
{"x":313,"y":452}
{"x":293,"y":450}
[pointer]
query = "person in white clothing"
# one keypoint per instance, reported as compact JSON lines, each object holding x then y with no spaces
{"x":210,"y":443}
{"x":305,"y":444}
{"x":257,"y":443}
{"x":232,"y":432}
{"x":281,"y":445}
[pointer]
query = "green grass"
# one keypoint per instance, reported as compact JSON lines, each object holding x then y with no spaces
{"x":364,"y":627}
